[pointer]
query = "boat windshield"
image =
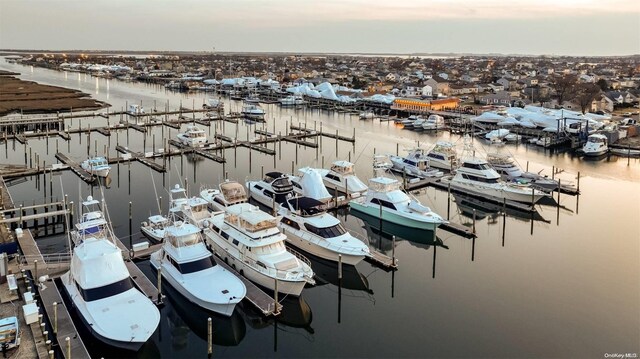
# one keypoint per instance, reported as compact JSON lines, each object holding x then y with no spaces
{"x":476,"y":166}
{"x":327,"y":232}
{"x":106,"y":291}
{"x":197,"y":265}
{"x":184,"y":241}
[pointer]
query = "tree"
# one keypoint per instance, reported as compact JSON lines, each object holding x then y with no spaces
{"x":585,"y":94}
{"x":602,"y":83}
{"x":564,"y":86}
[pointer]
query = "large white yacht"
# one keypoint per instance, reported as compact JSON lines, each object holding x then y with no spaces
{"x":275,"y":186}
{"x":253,"y":111}
{"x":193,"y":136}
{"x":190,"y":268}
{"x":415,"y":163}
{"x":250,"y":241}
{"x":191,"y":209}
{"x":100,"y":287}
{"x":230,"y":193}
{"x":342,"y":178}
{"x":476,"y":177}
{"x":443,"y":156}
{"x":596,"y":145}
{"x":509,"y":169}
{"x":97,"y":166}
{"x":315,"y":231}
{"x":292,"y":100}
{"x":434,"y":122}
{"x":385,"y":199}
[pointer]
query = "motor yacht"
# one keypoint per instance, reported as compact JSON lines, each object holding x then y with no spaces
{"x":476,"y":177}
{"x":509,"y":170}
{"x":342,"y":178}
{"x":229,"y":193}
{"x":434,"y":122}
{"x":443,"y":156}
{"x":97,"y":166}
{"x":313,"y":230}
{"x":189,"y":267}
{"x":100,"y":287}
{"x":193,"y":136}
{"x":253,"y":111}
{"x":292,"y":101}
{"x":385,"y":200}
{"x":596,"y":145}
{"x":154,"y":227}
{"x":249,"y":240}
{"x":416,"y":163}
{"x":275,"y":186}
{"x":367,"y":115}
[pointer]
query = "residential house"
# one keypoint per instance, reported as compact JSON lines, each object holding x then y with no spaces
{"x":503,"y":98}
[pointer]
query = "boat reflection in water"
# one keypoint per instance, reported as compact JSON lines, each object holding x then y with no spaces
{"x":327,"y":273}
{"x":187,"y":317}
{"x":295,"y":313}
{"x":492,"y":211}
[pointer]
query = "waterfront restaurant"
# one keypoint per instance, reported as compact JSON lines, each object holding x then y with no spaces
{"x":424,"y":106}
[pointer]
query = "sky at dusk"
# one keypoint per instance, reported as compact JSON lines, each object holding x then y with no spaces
{"x":553,"y":27}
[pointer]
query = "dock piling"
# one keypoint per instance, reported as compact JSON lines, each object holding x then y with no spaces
{"x":55,"y":318}
{"x":339,"y":266}
{"x":160,"y":283}
{"x":474,"y":221}
{"x":209,"y":336}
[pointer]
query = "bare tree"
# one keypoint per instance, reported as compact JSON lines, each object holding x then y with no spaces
{"x":564,"y":86}
{"x":585,"y":94}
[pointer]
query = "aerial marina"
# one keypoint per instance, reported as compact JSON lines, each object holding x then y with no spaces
{"x":213,"y":203}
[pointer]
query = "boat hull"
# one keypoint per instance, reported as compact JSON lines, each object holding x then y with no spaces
{"x":284,"y":286}
{"x":320,"y":251}
{"x":388,"y":216}
{"x":225,"y":309}
{"x":499,"y":194}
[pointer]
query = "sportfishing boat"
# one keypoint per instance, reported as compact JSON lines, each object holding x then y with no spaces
{"x":478,"y":178}
{"x":230,"y":193}
{"x":342,"y":178}
{"x":443,"y":156}
{"x":97,"y":166}
{"x":154,"y":227}
{"x":292,"y":101}
{"x":253,"y":111}
{"x":434,"y":122}
{"x":382,"y":162}
{"x":193,"y":137}
{"x":250,"y":241}
{"x":100,"y":287}
{"x":190,"y":209}
{"x":308,"y":183}
{"x":275,"y":186}
{"x":416,"y":163}
{"x":315,"y":231}
{"x":385,"y":200}
{"x":596,"y":145}
{"x":189,"y":267}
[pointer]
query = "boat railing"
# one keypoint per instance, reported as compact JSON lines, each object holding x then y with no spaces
{"x":325,"y":243}
{"x":298,"y":255}
{"x":50,"y":260}
{"x":272,"y":271}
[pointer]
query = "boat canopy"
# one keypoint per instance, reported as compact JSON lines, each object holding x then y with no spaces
{"x":233,"y":192}
{"x":307,"y":206}
{"x":249,"y":217}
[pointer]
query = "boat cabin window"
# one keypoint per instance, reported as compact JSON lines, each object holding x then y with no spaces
{"x":479,"y":179}
{"x":383,"y":203}
{"x":219,"y":201}
{"x":224,"y":234}
{"x":436,"y":156}
{"x":409,"y":162}
{"x":197,"y":265}
{"x":185,"y":240}
{"x":290,"y":223}
{"x":257,"y":187}
{"x":476,"y":166}
{"x":332,"y":177}
{"x":342,"y":169}
{"x":327,"y":232}
{"x":235,"y":242}
{"x":105,"y":291}
{"x":282,"y":184}
{"x":296,"y":185}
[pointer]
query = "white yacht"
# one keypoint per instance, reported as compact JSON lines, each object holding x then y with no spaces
{"x":193,"y":137}
{"x":190,"y":268}
{"x":292,"y":101}
{"x":476,"y":177}
{"x":367,"y":115}
{"x":253,"y":111}
{"x":434,"y":122}
{"x":101,"y":289}
{"x":596,"y":145}
{"x":416,"y":163}
{"x":193,"y":210}
{"x":136,"y":110}
{"x":252,"y":98}
{"x":250,"y":241}
{"x":408,"y":122}
{"x":416,"y":124}
{"x":315,"y":231}
{"x":342,"y":178}
{"x":443,"y":156}
{"x":97,"y":166}
{"x":387,"y":201}
{"x":308,"y":183}
{"x":215,"y":104}
{"x":275,"y":186}
{"x":230,"y":193}
{"x":382,"y":162}
{"x":154,"y":227}
{"x":507,"y":167}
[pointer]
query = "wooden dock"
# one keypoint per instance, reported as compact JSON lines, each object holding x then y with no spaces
{"x":381,"y":259}
{"x":256,"y":296}
{"x":50,"y":295}
{"x":142,"y":158}
{"x":75,"y":167}
{"x":141,"y":281}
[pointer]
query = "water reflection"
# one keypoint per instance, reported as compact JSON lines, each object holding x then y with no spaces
{"x":295,"y":313}
{"x":491,"y":211}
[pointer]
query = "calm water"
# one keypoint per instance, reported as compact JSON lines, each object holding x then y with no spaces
{"x":566,"y":284}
